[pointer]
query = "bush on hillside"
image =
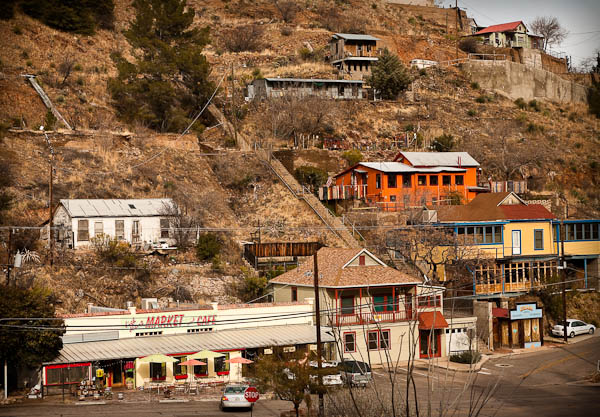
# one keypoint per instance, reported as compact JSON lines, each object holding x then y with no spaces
{"x":244,"y":38}
{"x":389,"y":76}
{"x":594,"y":99}
{"x":353,"y":157}
{"x":113,"y":252}
{"x":78,"y":16}
{"x":469,"y":45}
{"x":208,"y":246}
{"x":311,"y":176}
{"x":443,"y":143}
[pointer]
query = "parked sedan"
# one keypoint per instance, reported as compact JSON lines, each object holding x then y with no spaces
{"x":233,"y":397}
{"x":574,"y":327}
{"x":355,"y":373}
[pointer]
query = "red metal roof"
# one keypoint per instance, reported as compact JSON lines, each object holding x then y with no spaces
{"x":500,"y":312}
{"x":504,"y":27}
{"x":432,"y":320}
{"x":530,"y":211}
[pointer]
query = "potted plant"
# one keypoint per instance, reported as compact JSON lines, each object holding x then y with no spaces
{"x":129,"y":382}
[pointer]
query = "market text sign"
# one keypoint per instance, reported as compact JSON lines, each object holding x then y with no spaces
{"x":526,"y":311}
{"x":162,"y":321}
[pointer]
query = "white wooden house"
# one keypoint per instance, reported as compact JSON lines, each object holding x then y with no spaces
{"x":139,"y":222}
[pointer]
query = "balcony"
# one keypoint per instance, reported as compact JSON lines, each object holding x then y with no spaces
{"x":372,"y":317}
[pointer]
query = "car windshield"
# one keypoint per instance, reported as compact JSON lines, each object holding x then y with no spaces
{"x":235,"y":390}
{"x":356,"y":367}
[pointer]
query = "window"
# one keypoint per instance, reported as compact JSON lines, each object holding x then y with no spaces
{"x":433,"y":180}
{"x":383,"y":303}
{"x":294,"y":294}
{"x":164,"y":228}
{"x":120,"y":229}
{"x":221,"y":365}
{"x":538,"y":239}
{"x":406,"y":180}
{"x":581,"y":231}
{"x":446,"y":179}
{"x":373,"y":340}
{"x":497,"y":234}
{"x":392,"y":181}
{"x":69,"y":374}
{"x":361,"y":260}
{"x":348,"y":305}
{"x":378,"y":181}
{"x":350,"y":342}
{"x":201,"y":370}
{"x":98,"y":229}
{"x":135,"y":228}
{"x":131,"y":206}
{"x":83,"y":233}
{"x":180,"y":371}
{"x":430,"y":301}
{"x":459,"y":179}
{"x":422,"y":180}
{"x":378,"y":340}
{"x":158,"y":371}
{"x":479,"y":234}
{"x":393,"y":198}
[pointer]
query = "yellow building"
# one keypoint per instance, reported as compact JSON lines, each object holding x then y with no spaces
{"x":520,"y":241}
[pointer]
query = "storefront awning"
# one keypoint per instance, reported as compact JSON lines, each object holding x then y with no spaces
{"x":137,"y":347}
{"x":432,"y":320}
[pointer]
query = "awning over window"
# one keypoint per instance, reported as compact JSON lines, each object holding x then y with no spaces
{"x":432,"y":320}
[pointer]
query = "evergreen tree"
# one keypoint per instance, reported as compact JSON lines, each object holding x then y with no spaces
{"x":169,"y":80}
{"x":79,"y":16}
{"x":389,"y":76}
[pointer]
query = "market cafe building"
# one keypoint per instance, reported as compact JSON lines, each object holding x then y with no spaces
{"x":109,"y":345}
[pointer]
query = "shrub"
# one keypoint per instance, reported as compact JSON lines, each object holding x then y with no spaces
{"x":251,"y":286}
{"x":312,"y":176}
{"x":472,"y":113}
{"x":389,"y":76}
{"x":353,"y":156}
{"x":287,"y":8}
{"x":207,"y":247}
{"x":422,"y":72}
{"x":475,"y":85}
{"x":17,"y":30}
{"x":443,"y":143}
{"x":72,"y":16}
{"x":469,"y":45}
{"x":412,"y":21}
{"x":257,"y":74}
{"x":593,"y":98}
{"x":522,"y":118}
{"x":230,"y":142}
{"x":483,"y":99}
{"x":49,"y":121}
{"x":521,"y":103}
{"x":244,"y":38}
{"x":287,"y":30}
{"x":534,"y":105}
{"x":468,"y":356}
{"x":114,"y":252}
{"x":534,"y":128}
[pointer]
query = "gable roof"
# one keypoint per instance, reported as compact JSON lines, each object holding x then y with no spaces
{"x":335,"y":271}
{"x":117,"y":207}
{"x":436,"y":159}
{"x":354,"y":37}
{"x":399,"y":167}
{"x":312,"y":80}
{"x":489,"y":207}
{"x":503,"y":27}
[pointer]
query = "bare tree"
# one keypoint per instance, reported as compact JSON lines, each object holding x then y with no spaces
{"x":182,"y":226}
{"x":243,"y":38}
{"x":550,"y":28}
{"x":287,"y":8}
{"x":65,"y":68}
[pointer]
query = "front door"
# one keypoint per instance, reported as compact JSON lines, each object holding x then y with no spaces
{"x":516,"y":242}
{"x":429,"y":343}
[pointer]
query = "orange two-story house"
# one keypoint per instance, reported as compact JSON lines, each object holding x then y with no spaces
{"x":413,"y":179}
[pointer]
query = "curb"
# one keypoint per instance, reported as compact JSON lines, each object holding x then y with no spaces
{"x":451,"y":367}
{"x":90,"y":403}
{"x":173,"y":401}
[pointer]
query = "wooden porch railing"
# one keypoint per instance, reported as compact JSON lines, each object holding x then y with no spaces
{"x":374,"y":317}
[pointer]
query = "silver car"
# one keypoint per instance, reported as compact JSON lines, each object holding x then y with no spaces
{"x":233,"y":397}
{"x":574,"y":327}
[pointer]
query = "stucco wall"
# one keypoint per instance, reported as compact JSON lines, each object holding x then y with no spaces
{"x":517,"y":80}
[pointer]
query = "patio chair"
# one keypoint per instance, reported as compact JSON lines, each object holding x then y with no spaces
{"x":192,"y":388}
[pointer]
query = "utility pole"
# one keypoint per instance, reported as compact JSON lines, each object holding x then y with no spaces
{"x":564,"y":278}
{"x":319,"y":346}
{"x":233,"y":107}
{"x":50,"y":199}
{"x":457,"y":29}
{"x":8,"y":263}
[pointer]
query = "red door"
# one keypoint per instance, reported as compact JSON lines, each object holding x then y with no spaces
{"x":430,"y":345}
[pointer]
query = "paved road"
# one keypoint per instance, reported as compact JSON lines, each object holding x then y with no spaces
{"x":530,"y":384}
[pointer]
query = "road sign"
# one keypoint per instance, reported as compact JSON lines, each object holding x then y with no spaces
{"x":251,"y":394}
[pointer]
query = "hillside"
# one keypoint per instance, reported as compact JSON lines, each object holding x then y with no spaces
{"x":553,"y":146}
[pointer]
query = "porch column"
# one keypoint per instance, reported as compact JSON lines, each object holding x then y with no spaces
{"x":337,"y":313}
{"x":585,"y":274}
{"x":395,"y":304}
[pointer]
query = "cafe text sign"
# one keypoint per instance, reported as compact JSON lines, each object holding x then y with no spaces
{"x":162,"y":321}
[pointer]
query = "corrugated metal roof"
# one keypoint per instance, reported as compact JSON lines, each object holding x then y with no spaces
{"x":117,"y":207}
{"x":503,"y":27}
{"x":136,"y":347}
{"x":436,"y":159}
{"x":400,"y":167}
{"x":355,"y":37}
{"x":314,"y":80}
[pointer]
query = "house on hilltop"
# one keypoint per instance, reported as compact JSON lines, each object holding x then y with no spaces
{"x":510,"y":35}
{"x":301,"y":87}
{"x":412,"y":179}
{"x":138,"y":222}
{"x":353,"y":54}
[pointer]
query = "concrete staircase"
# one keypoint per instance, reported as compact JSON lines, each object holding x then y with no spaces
{"x":47,"y":102}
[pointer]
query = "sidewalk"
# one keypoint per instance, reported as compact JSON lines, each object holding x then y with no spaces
{"x":445,"y":363}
